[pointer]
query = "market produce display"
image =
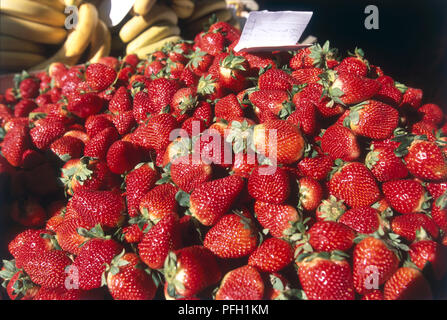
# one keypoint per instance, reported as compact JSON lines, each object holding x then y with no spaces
{"x":35,"y":33}
{"x":199,"y":172}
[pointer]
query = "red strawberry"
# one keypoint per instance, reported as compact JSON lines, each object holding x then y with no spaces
{"x":28,"y":213}
{"x":91,"y":261}
{"x":407,"y":284}
{"x":317,"y":167}
{"x":45,"y":132}
{"x":310,"y":193}
{"x":244,"y":164}
{"x":429,"y":254}
{"x":190,"y":270}
{"x":121,"y":101}
{"x":103,"y":207}
{"x":139,"y":182}
{"x":17,"y":283}
{"x":212,"y":43}
{"x":15,"y":142}
{"x":388,"y":94}
{"x":28,"y":87}
{"x":277,"y":218}
{"x":188,"y":173}
{"x":212,"y":199}
{"x":363,"y":219}
{"x":233,"y":236}
{"x":161,"y":91}
{"x":305,"y":116}
{"x":94,"y":124}
{"x":230,"y":32}
{"x":269,"y":184}
{"x":126,"y":280}
{"x":439,"y":212}
{"x":373,"y":264}
{"x":431,"y":113}
{"x":203,"y":111}
{"x":231,"y":71}
{"x":63,"y":294}
{"x":47,"y":269}
{"x":24,"y":107}
{"x":142,"y":106}
{"x":272,"y":255}
{"x":68,"y":235}
{"x":209,"y":88}
{"x":340,"y":143}
{"x":123,"y":156}
{"x":375,"y":294}
{"x":330,"y":235}
{"x":124,"y":122}
{"x":330,"y":209}
{"x":275,"y":79}
{"x":279,"y":140}
{"x":159,"y":202}
{"x":228,"y":108}
{"x":405,"y":196}
{"x":385,"y":165}
{"x":407,"y":226}
{"x":354,"y":184}
{"x":98,"y":146}
{"x":308,"y":75}
{"x":246,"y":277}
{"x":412,"y":97}
{"x":67,"y":147}
{"x":325,"y":277}
{"x":84,"y":105}
{"x":99,"y":76}
{"x":184,"y":100}
{"x":355,"y":64}
{"x":436,"y":189}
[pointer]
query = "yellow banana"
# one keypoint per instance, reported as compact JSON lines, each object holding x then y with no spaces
{"x":31,"y":31}
{"x":101,"y":42}
{"x":80,"y":37}
{"x":142,"y":7}
{"x":205,"y":7}
{"x":8,"y":43}
{"x":72,"y":2}
{"x":137,"y":24}
{"x":16,"y":60}
{"x":32,"y":11}
{"x":143,"y":52}
{"x":55,"y":4}
{"x":152,"y":35}
{"x":183,"y":8}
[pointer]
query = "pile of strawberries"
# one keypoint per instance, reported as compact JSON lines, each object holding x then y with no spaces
{"x":204,"y":173}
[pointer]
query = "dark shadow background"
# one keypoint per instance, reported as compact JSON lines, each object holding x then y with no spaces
{"x":410,"y":44}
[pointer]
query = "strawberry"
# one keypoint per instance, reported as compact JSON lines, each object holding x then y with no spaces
{"x":24,"y":107}
{"x":427,"y":253}
{"x":184,"y":100}
{"x":439,"y":212}
{"x":305,"y":116}
{"x":99,"y":76}
{"x":436,"y":189}
{"x":244,"y":164}
{"x":190,"y":270}
{"x":330,"y":209}
{"x":212,"y":199}
{"x":373,"y":264}
{"x":126,"y":280}
{"x":325,"y":276}
{"x":230,"y":32}
{"x":405,"y":196}
{"x":103,"y":207}
{"x":63,"y":294}
{"x":330,"y":235}
{"x":142,"y":106}
{"x":340,"y":143}
{"x":228,"y":108}
{"x":277,"y":218}
{"x":91,"y":261}
{"x":159,"y":202}
{"x":354,"y":184}
{"x":15,"y":142}
{"x":246,"y":277}
{"x":84,"y":105}
{"x":408,"y":225}
{"x":310,"y":193}
{"x":68,"y":235}
{"x":67,"y":147}
{"x":407,"y":284}
{"x":17,"y":283}
{"x":276,"y":101}
{"x":212,"y":42}
{"x":27,"y":86}
{"x":233,"y":236}
{"x":269,"y":184}
{"x":375,"y":294}
{"x":97,"y":146}
{"x":121,"y":101}
{"x":431,"y":112}
{"x":355,"y":63}
{"x":363,"y":219}
{"x":272,"y":255}
{"x":161,"y":91}
{"x":412,"y":97}
{"x":209,"y":88}
{"x":45,"y":132}
{"x":279,"y":140}
{"x":94,"y":124}
{"x":317,"y":167}
{"x":388,"y":94}
{"x":47,"y":269}
{"x":384,"y":164}
{"x":308,"y":75}
{"x":188,"y":173}
{"x":28,"y":213}
{"x":123,"y":156}
{"x":275,"y":79}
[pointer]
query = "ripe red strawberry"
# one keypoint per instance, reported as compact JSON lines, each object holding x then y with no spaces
{"x":355,"y":63}
{"x":184,"y":100}
{"x":142,"y":107}
{"x":84,"y":105}
{"x":305,"y":116}
{"x":246,"y":277}
{"x":431,"y":255}
{"x":439,"y":212}
{"x":123,"y":156}
{"x":212,"y":42}
{"x":190,"y":270}
{"x":63,"y":294}
{"x":45,"y":132}
{"x":407,"y":284}
{"x":212,"y":199}
{"x":330,"y":235}
{"x":412,"y":97}
{"x":354,"y":184}
{"x":15,"y":142}
{"x":17,"y":283}
{"x":231,"y":71}
{"x":230,"y":32}
{"x":279,"y":140}
{"x":24,"y":107}
{"x":372,"y":119}
{"x":363,"y":219}
{"x":94,"y":124}
{"x":308,"y":75}
{"x":275,"y":101}
{"x":310,"y":193}
{"x":28,"y":86}
{"x":139,"y":182}
{"x":67,"y":147}
{"x":317,"y":167}
{"x":384,"y":164}
{"x":124,"y":122}
{"x":91,"y":261}
{"x":275,"y":79}
{"x":325,"y":277}
{"x":375,"y":294}
{"x":159,"y":202}
{"x":269,"y":184}
{"x":407,"y":226}
{"x":233,"y":236}
{"x":315,"y":55}
{"x":373,"y":264}
{"x":272,"y":255}
{"x":228,"y":108}
{"x":28,"y":213}
{"x":277,"y":218}
{"x":47,"y":269}
{"x":188,"y":173}
{"x":244,"y":164}
{"x":431,"y":113}
{"x":68,"y":235}
{"x":161,"y":91}
{"x":6,"y":114}
{"x":388,"y":94}
{"x":330,"y":209}
{"x":405,"y":196}
{"x":98,"y":146}
{"x":340,"y":143}
{"x":103,"y":207}
{"x":436,"y":189}
{"x":99,"y":76}
{"x":126,"y":280}
{"x":121,"y":101}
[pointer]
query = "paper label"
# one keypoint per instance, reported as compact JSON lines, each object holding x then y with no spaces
{"x":112,"y":12}
{"x":271,"y":31}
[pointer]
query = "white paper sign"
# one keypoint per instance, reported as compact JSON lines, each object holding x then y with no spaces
{"x":270,"y":31}
{"x":112,"y":12}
